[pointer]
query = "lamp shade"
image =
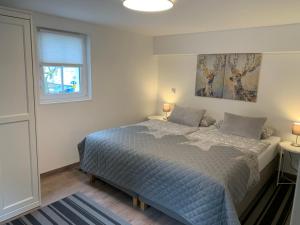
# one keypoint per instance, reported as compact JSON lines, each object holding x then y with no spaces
{"x":296,"y":128}
{"x":166,"y":107}
{"x":148,"y":5}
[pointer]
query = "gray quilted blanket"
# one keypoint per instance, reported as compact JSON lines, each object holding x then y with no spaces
{"x":185,"y":182}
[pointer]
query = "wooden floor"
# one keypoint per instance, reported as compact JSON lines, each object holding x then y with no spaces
{"x":59,"y":185}
{"x":274,"y":207}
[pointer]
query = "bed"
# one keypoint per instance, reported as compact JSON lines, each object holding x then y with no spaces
{"x":192,"y":174}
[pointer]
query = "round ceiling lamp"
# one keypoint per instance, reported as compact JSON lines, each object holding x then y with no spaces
{"x":148,"y":5}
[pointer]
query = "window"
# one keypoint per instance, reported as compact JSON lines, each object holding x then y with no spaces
{"x":64,"y":68}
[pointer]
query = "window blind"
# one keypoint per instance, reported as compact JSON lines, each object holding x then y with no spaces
{"x":60,"y":47}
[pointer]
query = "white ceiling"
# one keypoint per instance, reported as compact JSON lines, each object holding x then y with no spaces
{"x":187,"y":16}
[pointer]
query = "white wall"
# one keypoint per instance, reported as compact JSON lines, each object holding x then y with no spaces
{"x":124,"y":78}
{"x":278,"y":91}
{"x":283,"y":38}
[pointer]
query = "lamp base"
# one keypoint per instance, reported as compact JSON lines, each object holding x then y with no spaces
{"x":295,"y":145}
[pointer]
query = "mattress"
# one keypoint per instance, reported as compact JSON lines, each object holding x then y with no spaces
{"x":160,"y":129}
{"x":266,"y":156}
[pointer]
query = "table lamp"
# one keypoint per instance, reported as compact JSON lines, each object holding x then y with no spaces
{"x":296,"y":131}
{"x":166,"y":109}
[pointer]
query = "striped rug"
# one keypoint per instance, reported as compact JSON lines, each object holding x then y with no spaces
{"x":273,"y":206}
{"x":76,"y":209}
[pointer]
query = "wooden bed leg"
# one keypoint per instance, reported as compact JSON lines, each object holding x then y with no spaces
{"x":135,"y":201}
{"x":143,"y":205}
{"x":92,"y":179}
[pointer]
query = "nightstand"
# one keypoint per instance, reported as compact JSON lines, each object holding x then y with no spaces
{"x":157,"y":117}
{"x":286,"y":148}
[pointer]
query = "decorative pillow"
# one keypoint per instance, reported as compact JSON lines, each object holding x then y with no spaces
{"x":267,"y":132}
{"x":207,"y":121}
{"x":219,"y":124}
{"x":187,"y":116}
{"x":250,"y":127}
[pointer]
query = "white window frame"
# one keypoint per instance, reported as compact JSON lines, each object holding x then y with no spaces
{"x":85,"y":92}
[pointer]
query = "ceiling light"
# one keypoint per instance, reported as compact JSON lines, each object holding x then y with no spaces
{"x":148,"y":5}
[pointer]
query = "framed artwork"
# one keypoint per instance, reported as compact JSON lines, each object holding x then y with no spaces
{"x":229,"y":76}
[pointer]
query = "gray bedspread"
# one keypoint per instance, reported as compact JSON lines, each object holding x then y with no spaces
{"x":185,"y":182}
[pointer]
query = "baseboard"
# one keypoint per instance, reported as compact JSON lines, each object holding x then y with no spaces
{"x":59,"y":170}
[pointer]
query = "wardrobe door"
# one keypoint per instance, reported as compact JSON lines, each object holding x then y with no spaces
{"x":19,"y":180}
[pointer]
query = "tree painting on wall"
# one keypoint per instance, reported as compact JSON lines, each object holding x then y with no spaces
{"x":229,"y":76}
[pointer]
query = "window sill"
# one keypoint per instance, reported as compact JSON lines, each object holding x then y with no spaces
{"x":65,"y":100}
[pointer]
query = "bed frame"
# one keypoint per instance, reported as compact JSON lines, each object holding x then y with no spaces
{"x":242,"y":208}
{"x":250,"y":200}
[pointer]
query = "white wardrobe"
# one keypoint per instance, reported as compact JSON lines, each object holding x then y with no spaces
{"x":19,"y":178}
